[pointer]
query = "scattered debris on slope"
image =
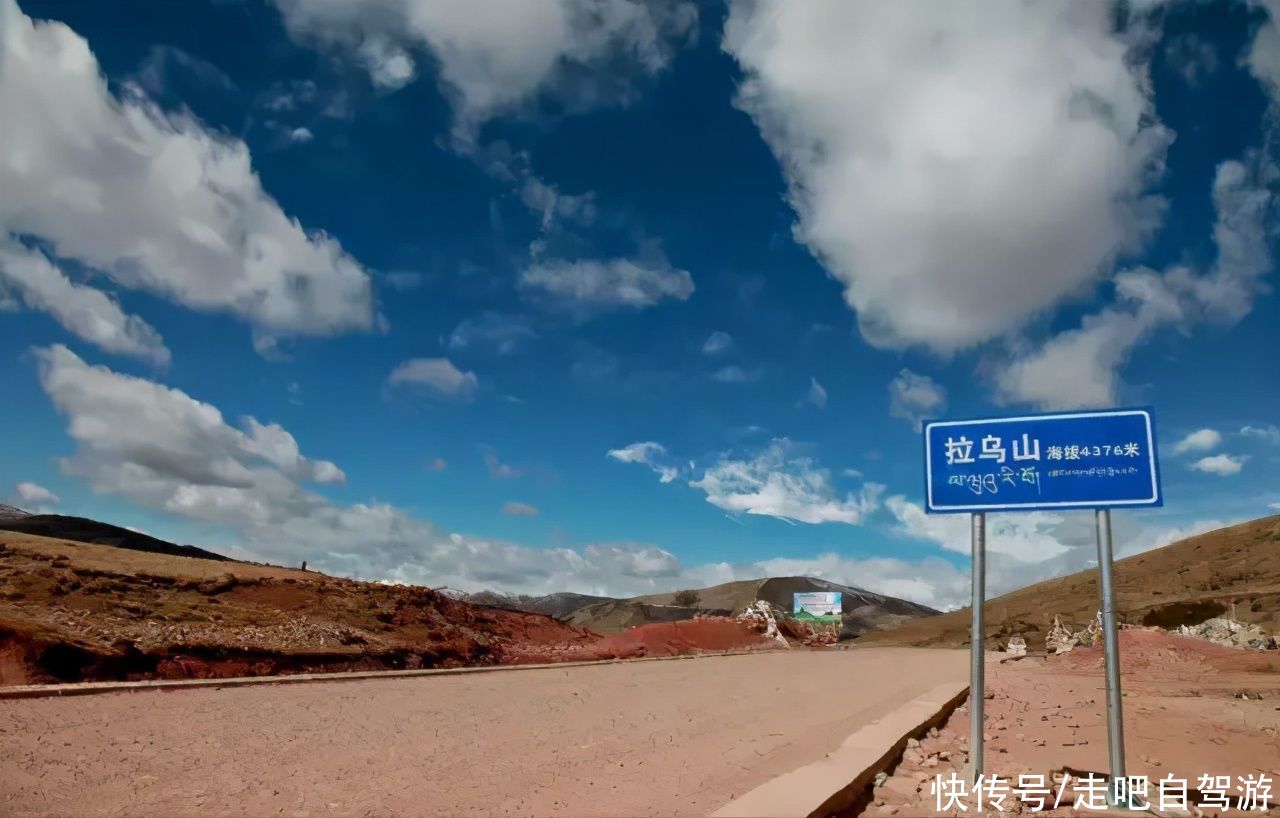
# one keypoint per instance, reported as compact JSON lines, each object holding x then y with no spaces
{"x":1230,"y":633}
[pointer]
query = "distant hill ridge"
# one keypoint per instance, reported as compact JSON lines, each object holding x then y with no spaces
{"x":8,"y":512}
{"x":81,"y":529}
{"x":1232,"y":572}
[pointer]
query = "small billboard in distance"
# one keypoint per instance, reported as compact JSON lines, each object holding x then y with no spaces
{"x":820,"y":606}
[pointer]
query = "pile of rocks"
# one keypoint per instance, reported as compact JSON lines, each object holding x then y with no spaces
{"x":1230,"y":633}
{"x":1062,"y":639}
{"x":762,"y":617}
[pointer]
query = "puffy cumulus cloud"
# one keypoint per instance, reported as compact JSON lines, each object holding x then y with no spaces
{"x":436,"y":375}
{"x":777,"y":482}
{"x":273,"y":443}
{"x":153,"y":200}
{"x":1223,"y":465}
{"x":654,"y":455}
{"x":167,"y":451}
{"x":495,"y":57}
{"x":135,"y":435}
{"x":1079,"y":367}
{"x":960,"y":170}
{"x":85,"y":312}
{"x":914,"y":397}
{"x":1201,"y":440}
{"x":716,"y":343}
{"x":34,"y":495}
{"x":503,"y":334}
{"x":591,"y":286}
{"x":514,"y":509}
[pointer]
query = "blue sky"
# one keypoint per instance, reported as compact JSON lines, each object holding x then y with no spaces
{"x":614,"y":296}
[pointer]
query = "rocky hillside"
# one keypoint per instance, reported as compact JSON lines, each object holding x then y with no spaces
{"x":73,"y":611}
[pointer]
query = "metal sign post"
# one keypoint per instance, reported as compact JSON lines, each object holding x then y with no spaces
{"x":977,"y":659}
{"x":1051,"y":462}
{"x":1115,"y":714}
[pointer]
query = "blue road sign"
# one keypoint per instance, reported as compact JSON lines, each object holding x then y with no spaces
{"x":1056,"y":461}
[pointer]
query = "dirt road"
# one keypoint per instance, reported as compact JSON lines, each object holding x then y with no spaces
{"x":646,"y":738}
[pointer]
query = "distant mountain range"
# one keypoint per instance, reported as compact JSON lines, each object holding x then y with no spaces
{"x":862,"y":610}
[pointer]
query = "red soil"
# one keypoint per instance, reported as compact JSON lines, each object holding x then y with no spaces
{"x":702,"y":635}
{"x":689,"y":636}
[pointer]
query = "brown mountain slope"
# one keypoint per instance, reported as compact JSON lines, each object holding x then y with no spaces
{"x":1232,"y":572}
{"x":73,"y":611}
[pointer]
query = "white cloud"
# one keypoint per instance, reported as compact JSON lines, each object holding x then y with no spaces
{"x":654,"y":455}
{"x":497,"y":56}
{"x":1192,"y":56}
{"x":591,"y":286}
{"x":153,"y":199}
{"x":1028,"y":537}
{"x":85,"y":312}
{"x":1263,"y":57}
{"x":735,"y":374}
{"x":1275,"y":506}
{"x":437,"y":464}
{"x":132,"y":429}
{"x":1030,"y":547}
{"x":817,"y":394}
{"x":34,"y":495}
{"x":1268,"y":433}
{"x":503,"y":334}
{"x":778,"y":483}
{"x":716,"y":343}
{"x":301,"y":135}
{"x":514,"y":509}
{"x":1201,"y":440}
{"x":497,"y":468}
{"x":932,"y":187}
{"x":1222,"y":465}
{"x":166,"y":451}
{"x":914,"y":397}
{"x":552,"y":206}
{"x":437,"y":375}
{"x":1078,"y":368}
{"x":273,"y":443}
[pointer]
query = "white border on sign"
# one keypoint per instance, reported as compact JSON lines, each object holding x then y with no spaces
{"x":1151,"y":459}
